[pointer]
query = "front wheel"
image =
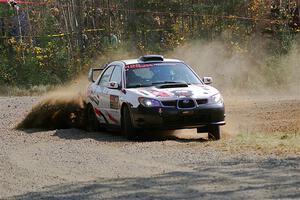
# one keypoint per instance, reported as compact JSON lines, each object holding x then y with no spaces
{"x":214,"y":132}
{"x":127,"y":128}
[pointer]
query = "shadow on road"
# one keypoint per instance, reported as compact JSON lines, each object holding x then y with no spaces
{"x":233,"y":179}
{"x":112,"y":136}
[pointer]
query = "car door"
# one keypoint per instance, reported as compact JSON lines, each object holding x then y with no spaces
{"x":114,"y":94}
{"x":102,"y":95}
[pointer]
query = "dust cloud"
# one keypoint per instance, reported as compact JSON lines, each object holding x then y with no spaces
{"x":238,"y":71}
{"x":60,"y":109}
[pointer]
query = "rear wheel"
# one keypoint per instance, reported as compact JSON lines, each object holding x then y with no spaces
{"x":92,"y":121}
{"x":127,"y":128}
{"x":214,"y":132}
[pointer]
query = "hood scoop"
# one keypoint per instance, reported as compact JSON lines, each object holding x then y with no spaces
{"x":172,"y":85}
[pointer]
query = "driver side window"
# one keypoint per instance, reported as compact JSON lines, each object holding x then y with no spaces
{"x":106,"y":76}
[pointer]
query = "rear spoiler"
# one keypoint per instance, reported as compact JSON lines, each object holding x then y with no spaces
{"x":92,"y":70}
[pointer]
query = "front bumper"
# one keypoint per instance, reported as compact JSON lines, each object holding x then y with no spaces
{"x":174,"y":118}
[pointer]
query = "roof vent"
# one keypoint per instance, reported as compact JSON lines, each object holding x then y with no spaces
{"x":147,"y":58}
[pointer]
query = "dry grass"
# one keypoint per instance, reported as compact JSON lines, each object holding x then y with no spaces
{"x":261,"y":143}
{"x":32,"y":91}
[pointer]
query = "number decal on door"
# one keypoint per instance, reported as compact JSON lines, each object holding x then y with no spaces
{"x":114,"y":102}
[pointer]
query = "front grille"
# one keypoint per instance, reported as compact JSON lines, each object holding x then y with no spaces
{"x":169,"y":103}
{"x":186,"y":103}
{"x":202,"y":101}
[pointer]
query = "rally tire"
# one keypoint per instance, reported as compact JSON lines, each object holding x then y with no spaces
{"x":92,"y":121}
{"x":214,"y":132}
{"x":127,"y":127}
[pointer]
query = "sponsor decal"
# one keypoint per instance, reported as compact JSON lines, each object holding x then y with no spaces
{"x":114,"y":102}
{"x":144,"y":92}
{"x":139,"y":65}
{"x":183,"y":93}
{"x":176,"y":93}
{"x":160,"y":93}
{"x":98,"y":112}
{"x":204,"y":88}
{"x":91,"y":94}
{"x":134,"y":66}
{"x":95,"y":100}
{"x":112,"y":118}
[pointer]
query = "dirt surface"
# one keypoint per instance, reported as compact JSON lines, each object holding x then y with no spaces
{"x":74,"y":164}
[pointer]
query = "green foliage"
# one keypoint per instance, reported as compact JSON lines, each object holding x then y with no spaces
{"x":58,"y":39}
{"x":32,"y":65}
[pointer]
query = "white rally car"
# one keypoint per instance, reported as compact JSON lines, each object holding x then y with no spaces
{"x":153,"y":93}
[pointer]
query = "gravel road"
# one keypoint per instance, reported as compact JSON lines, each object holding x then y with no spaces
{"x":74,"y":164}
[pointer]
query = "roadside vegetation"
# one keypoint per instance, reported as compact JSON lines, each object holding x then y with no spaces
{"x":277,"y":143}
{"x":49,"y":42}
{"x":25,"y":91}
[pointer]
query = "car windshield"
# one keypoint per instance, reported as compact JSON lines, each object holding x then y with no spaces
{"x":145,"y":75}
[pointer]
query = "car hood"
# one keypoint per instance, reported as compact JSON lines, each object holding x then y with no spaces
{"x":196,"y":91}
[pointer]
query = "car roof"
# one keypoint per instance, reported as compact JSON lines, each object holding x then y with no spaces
{"x":136,"y":61}
{"x":145,"y":59}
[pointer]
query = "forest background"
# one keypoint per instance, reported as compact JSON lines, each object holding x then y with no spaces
{"x":50,"y":42}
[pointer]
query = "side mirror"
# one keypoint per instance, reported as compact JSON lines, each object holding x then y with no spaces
{"x":113,"y":85}
{"x":207,"y":80}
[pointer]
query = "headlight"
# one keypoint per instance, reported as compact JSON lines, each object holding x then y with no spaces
{"x":149,"y":102}
{"x":217,"y":98}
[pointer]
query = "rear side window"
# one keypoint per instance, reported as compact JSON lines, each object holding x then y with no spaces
{"x":106,"y":76}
